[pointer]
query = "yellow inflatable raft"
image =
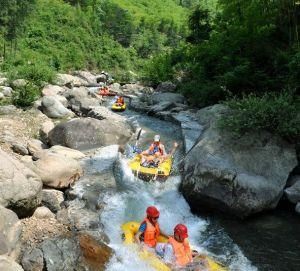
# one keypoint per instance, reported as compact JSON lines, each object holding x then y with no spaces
{"x":161,"y":172}
{"x":116,"y":107}
{"x":131,"y":228}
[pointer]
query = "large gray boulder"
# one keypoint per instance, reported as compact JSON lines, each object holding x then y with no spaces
{"x":46,"y":127}
{"x":10,"y":231}
{"x":166,"y":87}
{"x":52,"y":199}
{"x":52,"y":90}
{"x":61,"y":254}
{"x":241,"y":176}
{"x":56,"y":170}
{"x":80,"y":101}
{"x":190,"y":128}
{"x":53,"y":108}
{"x":167,"y":96}
{"x":87,"y":76}
{"x":33,"y":260}
{"x":70,"y":80}
{"x":89,"y":133}
{"x":20,"y":188}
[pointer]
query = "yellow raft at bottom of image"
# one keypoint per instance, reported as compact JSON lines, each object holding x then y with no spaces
{"x":130,"y":229}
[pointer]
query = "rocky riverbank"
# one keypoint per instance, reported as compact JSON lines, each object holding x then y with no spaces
{"x":70,"y":140}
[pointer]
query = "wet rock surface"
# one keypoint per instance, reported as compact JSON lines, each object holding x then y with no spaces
{"x":220,"y":172}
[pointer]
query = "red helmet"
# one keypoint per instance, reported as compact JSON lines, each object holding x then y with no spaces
{"x":181,"y":230}
{"x":152,"y":211}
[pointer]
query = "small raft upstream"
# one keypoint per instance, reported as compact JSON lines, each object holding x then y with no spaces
{"x":117,"y":107}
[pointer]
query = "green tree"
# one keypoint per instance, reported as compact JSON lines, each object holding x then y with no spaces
{"x":117,"y":21}
{"x":199,"y":25}
{"x":12,"y":16}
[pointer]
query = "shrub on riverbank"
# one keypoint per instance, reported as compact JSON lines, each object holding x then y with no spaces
{"x":25,"y":96}
{"x":277,"y":113}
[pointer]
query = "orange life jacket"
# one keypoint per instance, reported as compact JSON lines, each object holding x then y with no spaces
{"x":182,"y":251}
{"x":120,"y":100}
{"x":155,"y":148}
{"x":151,"y":233}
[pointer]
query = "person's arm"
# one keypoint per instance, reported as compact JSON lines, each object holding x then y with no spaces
{"x":163,"y":150}
{"x":137,"y":237}
{"x":141,"y":230}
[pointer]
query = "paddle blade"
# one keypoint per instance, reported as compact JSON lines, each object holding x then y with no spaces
{"x":139,"y":134}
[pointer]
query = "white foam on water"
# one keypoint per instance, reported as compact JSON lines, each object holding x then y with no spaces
{"x":130,"y":204}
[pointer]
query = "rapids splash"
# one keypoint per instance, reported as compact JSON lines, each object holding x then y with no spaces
{"x":132,"y":197}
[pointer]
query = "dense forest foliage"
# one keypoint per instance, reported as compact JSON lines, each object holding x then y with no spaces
{"x":116,"y":35}
{"x":243,"y":53}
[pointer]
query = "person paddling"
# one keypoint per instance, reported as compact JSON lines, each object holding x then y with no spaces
{"x":156,"y":153}
{"x":177,"y":253}
{"x":119,"y":101}
{"x":149,"y":229}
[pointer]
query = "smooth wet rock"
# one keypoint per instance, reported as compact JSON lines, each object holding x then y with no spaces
{"x":240,"y":176}
{"x":20,"y":187}
{"x":10,"y":232}
{"x":52,"y":199}
{"x":81,"y":134}
{"x":33,"y":260}
{"x":293,"y":192}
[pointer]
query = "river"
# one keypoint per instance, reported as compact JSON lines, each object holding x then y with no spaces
{"x":269,"y":242}
{"x":133,"y":196}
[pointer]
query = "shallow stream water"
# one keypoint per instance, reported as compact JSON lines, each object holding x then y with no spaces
{"x":134,"y":195}
{"x":269,"y":242}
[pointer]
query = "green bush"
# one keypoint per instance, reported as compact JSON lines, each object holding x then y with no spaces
{"x":158,"y":69}
{"x":278,"y":114}
{"x":25,"y":96}
{"x":34,"y":73}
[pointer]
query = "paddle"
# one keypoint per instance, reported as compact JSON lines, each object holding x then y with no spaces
{"x":135,"y":148}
